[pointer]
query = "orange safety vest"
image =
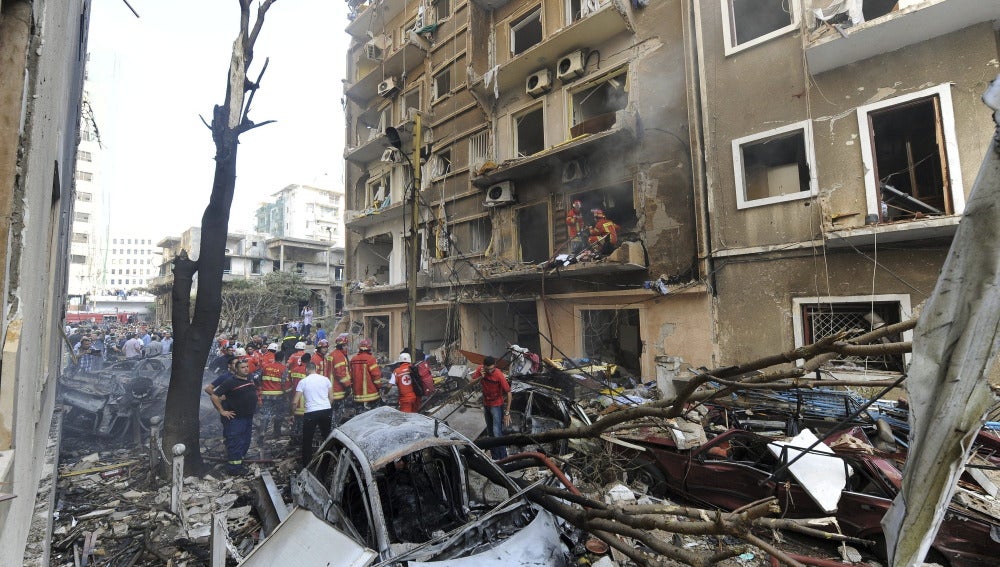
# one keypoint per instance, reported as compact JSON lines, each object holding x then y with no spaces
{"x":365,"y":377}
{"x":271,"y":380}
{"x":604,"y":227}
{"x":574,"y":222}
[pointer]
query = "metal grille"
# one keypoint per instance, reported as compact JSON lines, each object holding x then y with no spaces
{"x":823,"y":320}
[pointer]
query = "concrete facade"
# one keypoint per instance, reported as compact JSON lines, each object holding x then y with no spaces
{"x":611,"y":129}
{"x":304,"y":212}
{"x":42,"y":54}
{"x":889,"y":103}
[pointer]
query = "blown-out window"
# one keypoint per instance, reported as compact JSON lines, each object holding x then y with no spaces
{"x":774,"y":166}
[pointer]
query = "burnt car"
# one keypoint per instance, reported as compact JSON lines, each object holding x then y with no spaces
{"x":418,"y":492}
{"x":113,"y":402}
{"x":735,"y":469}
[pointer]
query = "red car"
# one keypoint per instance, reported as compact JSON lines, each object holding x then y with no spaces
{"x":734,"y":469}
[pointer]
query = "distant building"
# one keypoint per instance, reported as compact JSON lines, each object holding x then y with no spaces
{"x":303,"y":212}
{"x":133,"y":260}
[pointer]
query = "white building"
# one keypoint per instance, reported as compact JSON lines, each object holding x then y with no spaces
{"x":133,"y":260}
{"x":303,"y":212}
{"x":88,"y":242}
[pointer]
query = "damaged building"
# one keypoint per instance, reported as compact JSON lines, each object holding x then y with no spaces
{"x":523,"y":107}
{"x":840,"y":142}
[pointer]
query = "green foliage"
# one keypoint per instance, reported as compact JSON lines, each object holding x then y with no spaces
{"x":261,"y":301}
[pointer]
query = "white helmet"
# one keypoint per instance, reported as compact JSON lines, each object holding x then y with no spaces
{"x":404,"y":357}
{"x":301,"y":345}
{"x":241,"y":351}
{"x":274,"y":347}
{"x":519,"y":349}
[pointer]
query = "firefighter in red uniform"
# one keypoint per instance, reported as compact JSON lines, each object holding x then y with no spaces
{"x":603,"y":227}
{"x":575,"y":226}
{"x":366,"y":376}
{"x":402,"y":378}
{"x":335,"y":368}
{"x":296,"y":372}
{"x":272,"y":391}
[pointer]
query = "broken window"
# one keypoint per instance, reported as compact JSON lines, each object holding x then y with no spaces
{"x":774,"y":166}
{"x":525,"y":32}
{"x":473,"y":236}
{"x":594,"y":107}
{"x":80,"y":259}
{"x":613,"y":336}
{"x":377,"y":331}
{"x":410,"y":99}
{"x":442,"y":9}
{"x":749,"y":22}
{"x":533,"y":233}
{"x":529,"y":132}
{"x":441,"y":164}
{"x":910,"y":161}
{"x":276,"y":265}
{"x":442,"y":83}
{"x":378,"y":193}
{"x":823,"y":319}
{"x":373,"y":259}
{"x":616,"y":201}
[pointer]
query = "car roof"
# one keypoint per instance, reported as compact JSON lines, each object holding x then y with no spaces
{"x":385,"y":434}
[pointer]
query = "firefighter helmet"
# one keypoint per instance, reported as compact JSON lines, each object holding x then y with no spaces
{"x":365,"y":344}
{"x":301,"y":345}
{"x":322,"y":343}
{"x":342,"y":339}
{"x":273,"y":347}
{"x":597,"y":212}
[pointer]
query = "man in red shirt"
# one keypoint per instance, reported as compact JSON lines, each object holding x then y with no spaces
{"x":402,"y":378}
{"x":495,"y":386}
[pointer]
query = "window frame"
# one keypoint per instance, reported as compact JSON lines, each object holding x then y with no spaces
{"x":514,"y":117}
{"x":948,"y":131}
{"x":905,"y":312}
{"x":436,"y":94}
{"x":742,"y":202}
{"x":519,"y":22}
{"x":594,"y":82}
{"x":728,"y":25}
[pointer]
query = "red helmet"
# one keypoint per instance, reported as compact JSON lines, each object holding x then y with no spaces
{"x":365,"y":344}
{"x":322,"y":343}
{"x":597,"y":212}
{"x":577,"y":203}
{"x":342,"y":339}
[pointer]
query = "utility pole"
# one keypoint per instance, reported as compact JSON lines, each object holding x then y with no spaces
{"x":414,"y":243}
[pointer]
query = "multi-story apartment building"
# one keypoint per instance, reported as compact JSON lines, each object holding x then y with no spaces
{"x":133,"y":260}
{"x":42,"y":48}
{"x":303,"y":212}
{"x":526,"y":106}
{"x":839,"y":150}
{"x":88,"y":243}
{"x":320,"y":263}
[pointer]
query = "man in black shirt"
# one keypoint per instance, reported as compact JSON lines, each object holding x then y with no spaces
{"x":237,"y":411}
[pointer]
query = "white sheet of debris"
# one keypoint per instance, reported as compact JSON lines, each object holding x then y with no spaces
{"x":823,"y":477}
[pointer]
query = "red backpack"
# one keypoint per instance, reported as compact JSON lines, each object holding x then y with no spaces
{"x":426,"y":378}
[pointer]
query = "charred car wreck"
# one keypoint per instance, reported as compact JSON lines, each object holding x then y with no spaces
{"x":416,"y":491}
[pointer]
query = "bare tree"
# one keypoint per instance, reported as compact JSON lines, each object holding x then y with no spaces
{"x":193,"y":334}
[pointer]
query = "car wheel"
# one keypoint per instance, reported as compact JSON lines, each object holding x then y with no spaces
{"x":644,"y":471}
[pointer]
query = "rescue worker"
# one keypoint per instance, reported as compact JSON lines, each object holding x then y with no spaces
{"x":366,"y":376}
{"x":296,"y":372}
{"x":495,"y":386}
{"x":604,"y":227}
{"x":236,"y":412}
{"x":274,"y":406}
{"x":289,"y":341}
{"x":575,"y":226}
{"x":402,"y":379}
{"x":335,"y":367}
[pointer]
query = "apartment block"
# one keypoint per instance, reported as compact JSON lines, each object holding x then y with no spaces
{"x":303,"y":212}
{"x":840,"y":140}
{"x":524,"y":107}
{"x":89,"y":238}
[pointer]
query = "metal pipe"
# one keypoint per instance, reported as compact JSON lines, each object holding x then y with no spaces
{"x":414,"y":244}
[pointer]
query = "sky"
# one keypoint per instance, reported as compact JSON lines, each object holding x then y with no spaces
{"x":150,"y":78}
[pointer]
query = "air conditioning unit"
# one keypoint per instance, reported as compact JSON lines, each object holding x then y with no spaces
{"x":388,"y":87}
{"x":538,"y":83}
{"x":571,"y":65}
{"x":376,"y":47}
{"x":574,"y":171}
{"x":500,"y":194}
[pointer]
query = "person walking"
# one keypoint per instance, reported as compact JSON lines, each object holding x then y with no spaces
{"x":236,"y":412}
{"x":366,"y":376}
{"x":315,"y":392}
{"x":307,"y":320}
{"x":402,"y":378}
{"x":495,"y":386}
{"x":334,"y":367}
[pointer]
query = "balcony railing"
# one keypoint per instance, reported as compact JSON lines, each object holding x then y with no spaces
{"x":397,"y":63}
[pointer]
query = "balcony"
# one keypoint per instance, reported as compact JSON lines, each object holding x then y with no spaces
{"x":367,"y":218}
{"x":620,"y":133}
{"x":586,"y":33}
{"x":372,"y":148}
{"x":490,"y":4}
{"x":628,"y":257}
{"x":829,"y":48}
{"x":374,"y":16}
{"x":887,"y":233}
{"x":403,"y":60}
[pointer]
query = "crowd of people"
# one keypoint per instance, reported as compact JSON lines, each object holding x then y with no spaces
{"x":96,"y":346}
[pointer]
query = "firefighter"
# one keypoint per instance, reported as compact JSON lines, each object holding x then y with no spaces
{"x":366,"y":376}
{"x":335,"y":368}
{"x":296,"y":372}
{"x":273,"y":383}
{"x":575,"y":226}
{"x":402,"y":378}
{"x":606,"y":229}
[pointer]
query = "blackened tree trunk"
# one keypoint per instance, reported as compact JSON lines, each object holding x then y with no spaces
{"x":193,"y":332}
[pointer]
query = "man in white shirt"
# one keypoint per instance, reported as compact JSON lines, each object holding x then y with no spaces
{"x":307,"y":320}
{"x":317,"y":392}
{"x":133,"y":347}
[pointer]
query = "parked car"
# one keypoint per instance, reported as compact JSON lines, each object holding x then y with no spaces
{"x":735,"y":468}
{"x":416,"y":491}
